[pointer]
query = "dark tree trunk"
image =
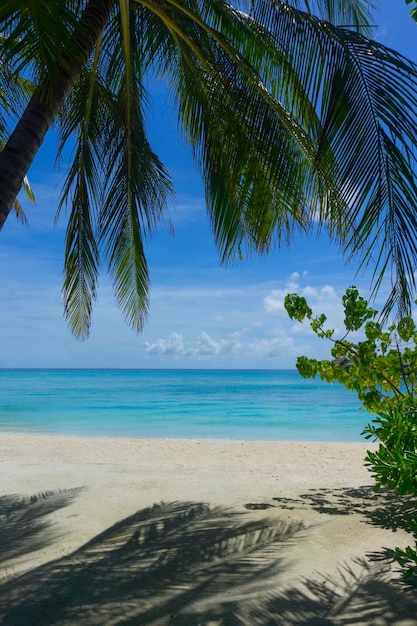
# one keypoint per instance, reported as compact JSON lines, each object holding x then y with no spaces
{"x":28,"y":136}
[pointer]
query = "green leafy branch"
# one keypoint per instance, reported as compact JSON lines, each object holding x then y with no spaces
{"x":382,"y":369}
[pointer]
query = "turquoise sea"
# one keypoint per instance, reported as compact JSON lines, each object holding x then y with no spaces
{"x":214,"y":404}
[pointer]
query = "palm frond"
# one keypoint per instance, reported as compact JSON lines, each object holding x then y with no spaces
{"x":390,"y":239}
{"x":318,"y":95}
{"x":82,"y":117}
{"x":28,"y":191}
{"x":289,"y":116}
{"x":37,"y":34}
{"x":138,"y":186}
{"x":363,"y":94}
{"x":20,"y":214}
{"x":229,"y":124}
{"x":81,"y":263}
{"x":354,"y":14}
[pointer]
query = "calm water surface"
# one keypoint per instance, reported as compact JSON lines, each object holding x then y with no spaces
{"x":179,"y":403}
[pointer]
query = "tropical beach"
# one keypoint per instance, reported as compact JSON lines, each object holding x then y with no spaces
{"x":185,"y":473}
{"x":146,"y":531}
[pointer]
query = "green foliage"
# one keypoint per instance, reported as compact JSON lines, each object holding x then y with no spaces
{"x":413,"y":11}
{"x":394,"y":464}
{"x":356,"y":309}
{"x":297,"y":307}
{"x":381,"y":368}
{"x":408,"y":559}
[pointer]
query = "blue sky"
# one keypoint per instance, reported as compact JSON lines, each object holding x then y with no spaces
{"x":202,"y":315}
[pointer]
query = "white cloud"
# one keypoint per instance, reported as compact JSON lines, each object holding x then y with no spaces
{"x":204,"y":346}
{"x":309,"y":292}
{"x":328,"y":292}
{"x":279,"y":346}
{"x":174,"y":345}
{"x":274,"y":301}
{"x":292,"y":286}
{"x":324,"y":296}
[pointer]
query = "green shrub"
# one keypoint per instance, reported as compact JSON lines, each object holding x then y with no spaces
{"x":382,"y":369}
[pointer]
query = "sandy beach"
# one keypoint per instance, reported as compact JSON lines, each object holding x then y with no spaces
{"x":214,"y":533}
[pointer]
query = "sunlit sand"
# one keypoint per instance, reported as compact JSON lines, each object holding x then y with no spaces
{"x":131,"y":531}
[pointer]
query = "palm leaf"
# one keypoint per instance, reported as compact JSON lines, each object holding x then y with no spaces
{"x":81,"y":191}
{"x":37,"y":32}
{"x":361,"y":92}
{"x":290,"y":118}
{"x":135,"y":197}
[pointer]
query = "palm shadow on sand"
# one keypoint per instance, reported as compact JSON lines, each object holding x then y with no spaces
{"x":24,"y":523}
{"x":190,"y":565}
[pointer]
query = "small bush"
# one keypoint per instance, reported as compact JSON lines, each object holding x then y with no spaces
{"x":382,"y":370}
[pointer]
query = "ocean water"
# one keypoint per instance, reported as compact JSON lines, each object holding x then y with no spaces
{"x":205,"y":404}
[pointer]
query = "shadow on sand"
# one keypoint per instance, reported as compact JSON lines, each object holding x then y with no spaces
{"x":190,"y":565}
{"x":24,"y":525}
{"x":383,"y":508}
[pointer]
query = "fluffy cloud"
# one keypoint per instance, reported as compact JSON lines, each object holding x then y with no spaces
{"x":204,"y":346}
{"x":325,"y":296}
{"x":279,"y":346}
{"x":266,"y":336}
{"x":171,"y":346}
{"x":274,"y":301}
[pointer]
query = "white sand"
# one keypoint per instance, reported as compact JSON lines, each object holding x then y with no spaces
{"x":286,"y":538}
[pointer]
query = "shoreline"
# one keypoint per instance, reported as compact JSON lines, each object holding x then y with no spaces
{"x":58,"y":435}
{"x":312,"y":503}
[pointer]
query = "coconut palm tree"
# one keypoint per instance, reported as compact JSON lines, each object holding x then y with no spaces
{"x":293,"y":118}
{"x":10,"y":86}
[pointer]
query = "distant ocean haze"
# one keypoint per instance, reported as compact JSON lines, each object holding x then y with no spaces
{"x":190,"y":404}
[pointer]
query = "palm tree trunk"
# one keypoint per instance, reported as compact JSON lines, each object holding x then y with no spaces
{"x":30,"y":131}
